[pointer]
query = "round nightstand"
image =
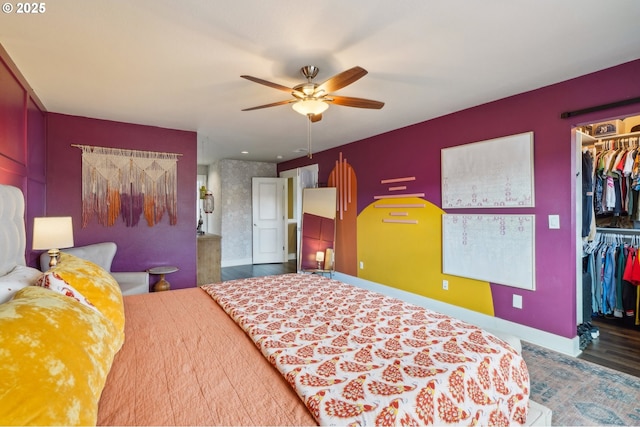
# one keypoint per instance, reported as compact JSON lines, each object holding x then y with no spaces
{"x":162,"y":284}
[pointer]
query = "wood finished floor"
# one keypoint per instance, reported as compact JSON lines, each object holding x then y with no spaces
{"x":618,"y":346}
{"x":257,"y":270}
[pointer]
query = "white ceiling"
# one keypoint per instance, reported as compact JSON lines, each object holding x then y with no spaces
{"x":177,"y":63}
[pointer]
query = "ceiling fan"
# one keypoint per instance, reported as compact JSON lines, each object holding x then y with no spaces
{"x":311,"y":99}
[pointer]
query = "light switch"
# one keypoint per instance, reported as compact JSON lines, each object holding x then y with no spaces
{"x":517,"y":301}
{"x":554,"y":221}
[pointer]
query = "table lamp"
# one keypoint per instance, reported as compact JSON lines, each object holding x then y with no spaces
{"x":320,"y":259}
{"x":208,"y":202}
{"x":52,"y":233}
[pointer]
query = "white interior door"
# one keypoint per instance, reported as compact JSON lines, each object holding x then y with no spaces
{"x":269,"y":220}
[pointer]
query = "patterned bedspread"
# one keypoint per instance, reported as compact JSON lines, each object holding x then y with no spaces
{"x":357,"y":357}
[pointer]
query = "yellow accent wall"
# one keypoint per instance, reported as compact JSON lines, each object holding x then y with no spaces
{"x":409,"y":256}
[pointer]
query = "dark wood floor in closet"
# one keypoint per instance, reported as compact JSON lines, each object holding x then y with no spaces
{"x":618,"y":347}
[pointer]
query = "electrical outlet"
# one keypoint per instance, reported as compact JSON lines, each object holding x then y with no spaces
{"x":517,"y":301}
{"x":445,"y":285}
{"x":361,"y":265}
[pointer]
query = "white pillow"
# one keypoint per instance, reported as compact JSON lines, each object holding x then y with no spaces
{"x":52,"y":281}
{"x":18,"y":278}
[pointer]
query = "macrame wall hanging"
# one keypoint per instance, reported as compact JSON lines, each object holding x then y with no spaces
{"x":128,"y":184}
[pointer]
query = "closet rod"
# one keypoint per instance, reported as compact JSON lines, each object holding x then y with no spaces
{"x":630,"y":231}
{"x":622,"y":103}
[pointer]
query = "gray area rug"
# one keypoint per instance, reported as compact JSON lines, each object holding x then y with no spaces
{"x":580,"y":392}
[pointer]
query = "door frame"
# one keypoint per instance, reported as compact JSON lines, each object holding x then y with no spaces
{"x":311,"y":172}
{"x":281,"y":203}
{"x":576,"y":138}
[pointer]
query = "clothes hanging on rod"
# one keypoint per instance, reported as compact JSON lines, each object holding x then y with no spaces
{"x":611,"y":275}
{"x":611,"y":184}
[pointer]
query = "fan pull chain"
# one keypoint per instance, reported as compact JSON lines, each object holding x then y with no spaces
{"x":309,"y":155}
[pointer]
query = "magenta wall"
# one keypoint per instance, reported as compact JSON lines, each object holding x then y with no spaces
{"x":415,"y":151}
{"x":140,"y":247}
{"x":22,"y":142}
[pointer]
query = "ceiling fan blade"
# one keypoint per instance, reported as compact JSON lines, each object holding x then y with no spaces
{"x":349,"y":101}
{"x":342,"y":79}
{"x":273,"y":104}
{"x":273,"y":85}
{"x":315,"y":117}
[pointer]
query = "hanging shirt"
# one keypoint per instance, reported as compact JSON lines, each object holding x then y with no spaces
{"x":628,"y":165}
{"x":587,"y":193}
{"x":631,"y":259}
{"x":621,"y":257}
{"x":608,"y":281}
{"x":610,"y":195}
{"x":599,"y":257}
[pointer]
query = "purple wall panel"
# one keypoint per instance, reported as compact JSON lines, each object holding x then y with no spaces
{"x":13,"y":169}
{"x":415,"y":151}
{"x":36,"y":171}
{"x":35,"y":202}
{"x":310,"y":247}
{"x":317,"y":235}
{"x":312,"y":225}
{"x":327,"y":231}
{"x":10,"y":175}
{"x":12,"y":116}
{"x":140,"y":247}
{"x":36,"y":137}
{"x":22,"y":144}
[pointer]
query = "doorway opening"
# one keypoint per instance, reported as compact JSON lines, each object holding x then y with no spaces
{"x":607,"y":225}
{"x":297,"y":180}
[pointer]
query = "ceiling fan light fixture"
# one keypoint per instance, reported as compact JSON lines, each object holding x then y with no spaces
{"x":310,"y":106}
{"x":308,"y":89}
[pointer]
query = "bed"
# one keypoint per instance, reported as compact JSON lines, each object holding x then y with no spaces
{"x":295,"y":349}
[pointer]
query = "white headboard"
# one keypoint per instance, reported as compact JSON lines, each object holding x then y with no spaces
{"x":12,"y":232}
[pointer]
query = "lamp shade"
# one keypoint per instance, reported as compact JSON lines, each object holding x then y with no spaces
{"x":208,"y":202}
{"x":53,"y":232}
{"x":320,"y":256}
{"x":310,"y":106}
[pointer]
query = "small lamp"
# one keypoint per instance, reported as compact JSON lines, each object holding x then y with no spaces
{"x":52,"y":233}
{"x":208,"y":202}
{"x":320,"y":259}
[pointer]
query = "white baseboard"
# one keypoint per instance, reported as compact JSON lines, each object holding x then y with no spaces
{"x":569,"y":346}
{"x":234,"y":262}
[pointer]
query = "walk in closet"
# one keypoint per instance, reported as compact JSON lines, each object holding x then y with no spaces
{"x":610,"y":231}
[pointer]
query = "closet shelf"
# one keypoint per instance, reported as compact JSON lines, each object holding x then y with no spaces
{"x":622,"y":135}
{"x":586,"y":138}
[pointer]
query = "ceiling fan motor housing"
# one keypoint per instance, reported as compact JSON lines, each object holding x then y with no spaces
{"x":310,"y":71}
